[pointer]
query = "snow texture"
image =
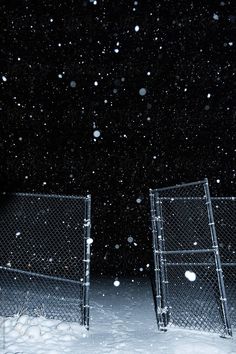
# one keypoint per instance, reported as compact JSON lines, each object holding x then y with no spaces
{"x":122,"y":321}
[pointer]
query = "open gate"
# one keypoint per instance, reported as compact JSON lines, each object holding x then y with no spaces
{"x":189,"y":282}
{"x":45,"y":256}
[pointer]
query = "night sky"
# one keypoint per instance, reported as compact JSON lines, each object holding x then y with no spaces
{"x":114,"y":98}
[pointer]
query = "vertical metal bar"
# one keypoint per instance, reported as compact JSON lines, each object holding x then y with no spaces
{"x":223,"y":299}
{"x":159,"y":222}
{"x":86,"y":277}
{"x":158,"y":295}
{"x":165,"y":280}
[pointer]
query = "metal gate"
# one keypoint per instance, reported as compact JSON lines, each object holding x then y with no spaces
{"x":224,"y":209}
{"x":45,"y":256}
{"x":190,"y":291}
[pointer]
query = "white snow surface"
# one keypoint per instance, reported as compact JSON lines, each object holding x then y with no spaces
{"x":122,"y":321}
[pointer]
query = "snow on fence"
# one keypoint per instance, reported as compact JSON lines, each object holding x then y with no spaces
{"x":45,"y":256}
{"x":191,"y":290}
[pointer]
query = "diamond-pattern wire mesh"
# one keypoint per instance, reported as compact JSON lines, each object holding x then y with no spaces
{"x":193,"y":304}
{"x":43,"y":249}
{"x":185,"y":251}
{"x":225,"y":220}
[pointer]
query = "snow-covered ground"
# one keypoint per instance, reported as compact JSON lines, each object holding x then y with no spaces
{"x":122,"y":321}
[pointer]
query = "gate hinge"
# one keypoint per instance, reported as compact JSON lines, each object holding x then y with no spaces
{"x":157,"y":218}
{"x":87,"y":223}
{"x":162,"y":310}
{"x":86,"y":284}
{"x":223,"y":299}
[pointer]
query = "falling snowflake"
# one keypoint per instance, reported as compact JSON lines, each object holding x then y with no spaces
{"x":142,"y":92}
{"x":96,"y":133}
{"x":73,"y":84}
{"x":116,"y":283}
{"x":191,"y":276}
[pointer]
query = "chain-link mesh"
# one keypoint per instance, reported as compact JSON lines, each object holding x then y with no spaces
{"x":43,"y":256}
{"x":225,"y":221}
{"x":189,"y":281}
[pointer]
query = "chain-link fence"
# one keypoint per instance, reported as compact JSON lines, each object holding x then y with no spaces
{"x":225,"y":220}
{"x":45,"y":256}
{"x":190,"y":290}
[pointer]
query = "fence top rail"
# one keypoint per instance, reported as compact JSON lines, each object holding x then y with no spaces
{"x":199,"y":264}
{"x":41,"y":195}
{"x":223,"y":198}
{"x":179,"y":186}
{"x":197,"y":198}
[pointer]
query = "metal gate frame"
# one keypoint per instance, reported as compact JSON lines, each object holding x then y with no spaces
{"x":159,"y":252}
{"x":85,"y":246}
{"x":86,"y":279}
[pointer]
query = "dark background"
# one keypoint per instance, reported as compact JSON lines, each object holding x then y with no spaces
{"x":181,"y":130}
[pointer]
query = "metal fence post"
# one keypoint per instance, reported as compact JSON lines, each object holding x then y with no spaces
{"x":86,"y":277}
{"x":161,"y":249}
{"x":223,"y":299}
{"x":158,"y":295}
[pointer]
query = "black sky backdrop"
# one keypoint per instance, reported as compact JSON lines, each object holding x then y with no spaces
{"x":70,"y":68}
